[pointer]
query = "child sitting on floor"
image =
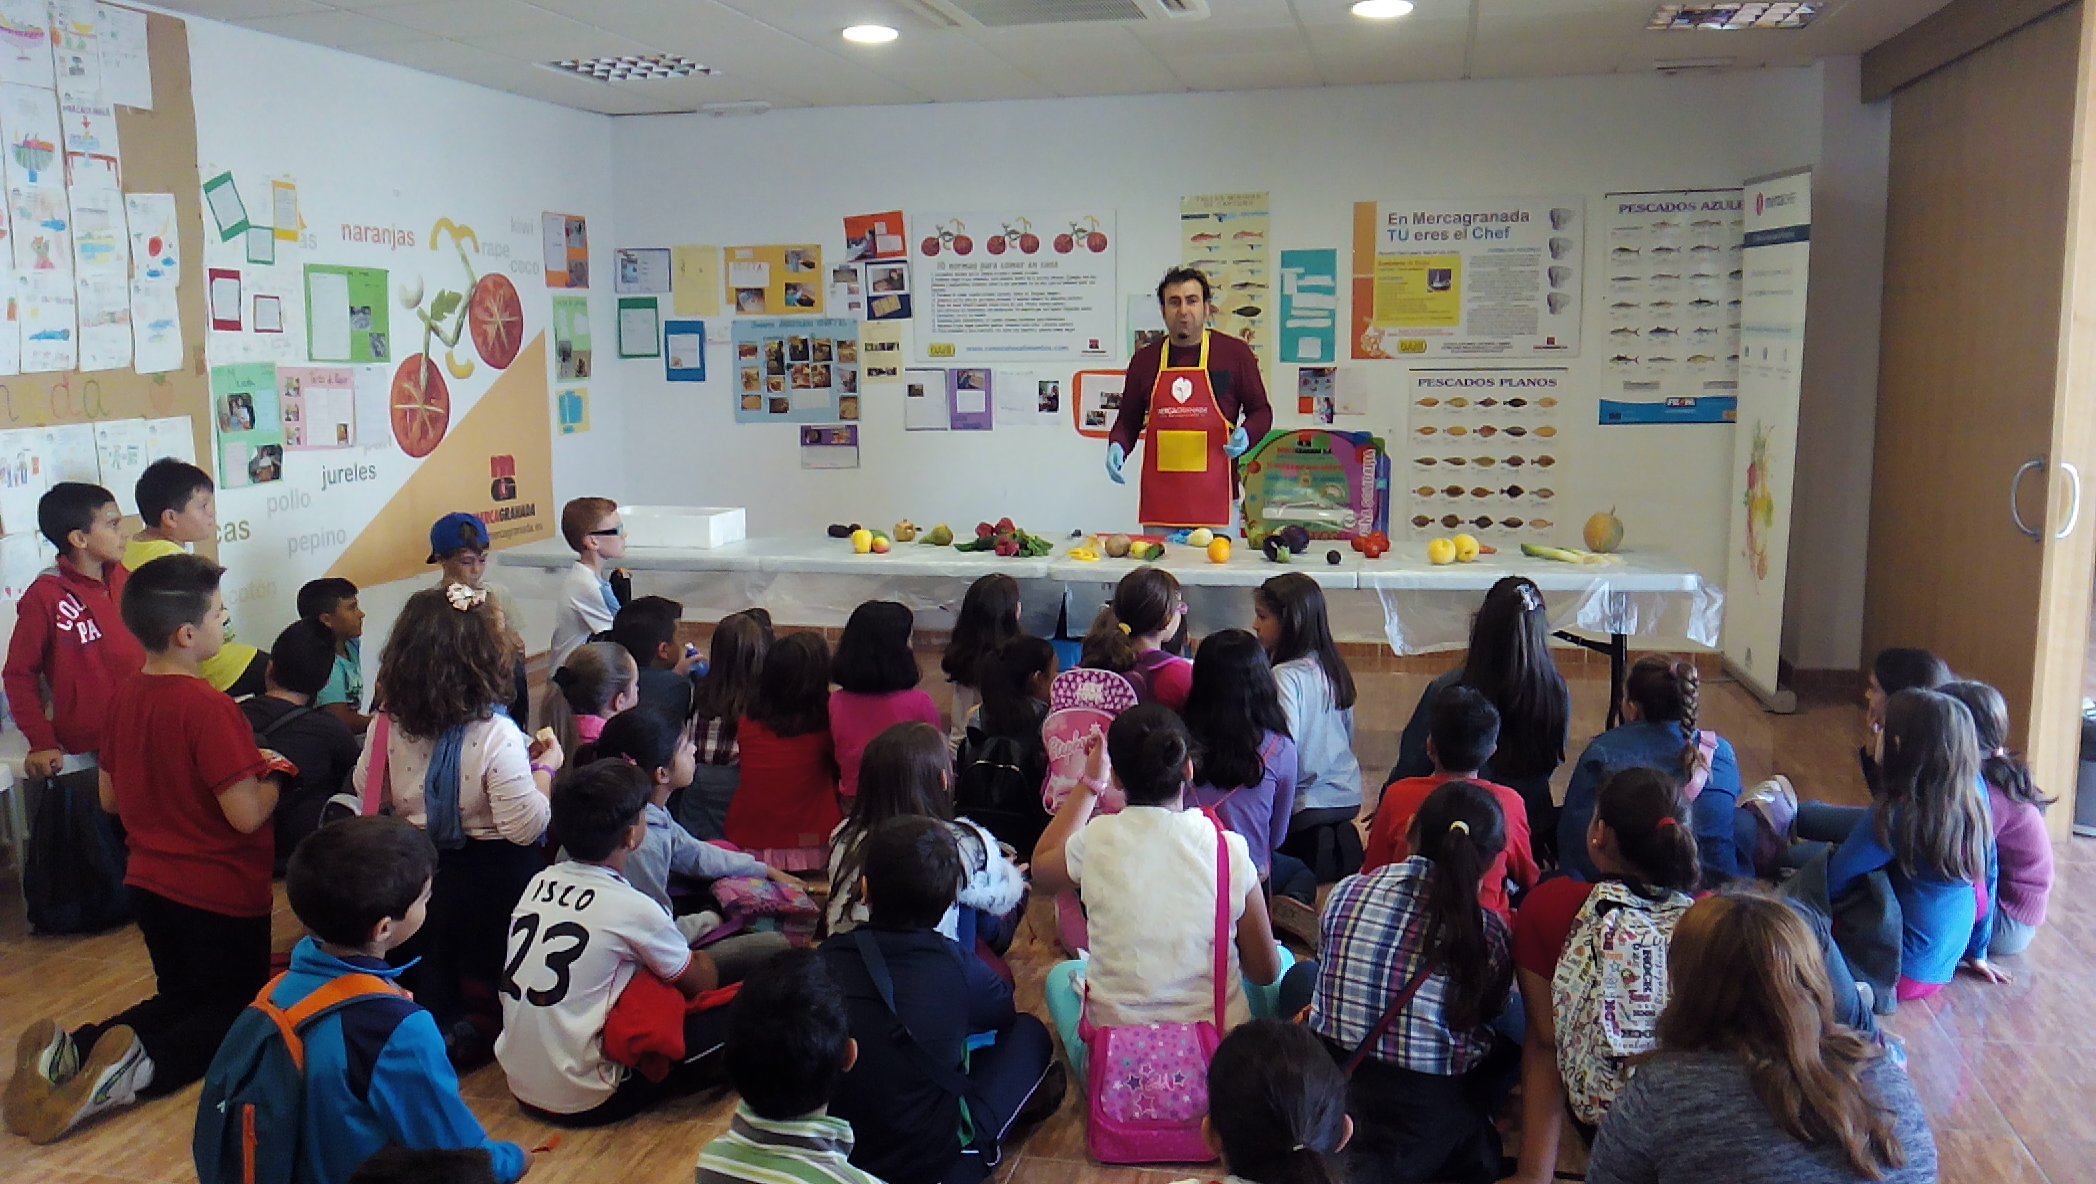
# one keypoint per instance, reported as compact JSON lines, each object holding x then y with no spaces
{"x":719,"y":700}
{"x":789,"y":1042}
{"x":876,"y":675}
{"x":787,"y":805}
{"x":599,"y":680}
{"x":332,"y":604}
{"x":579,"y":935}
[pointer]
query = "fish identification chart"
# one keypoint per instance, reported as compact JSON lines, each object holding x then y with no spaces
{"x":1674,"y":275}
{"x":1225,"y":236}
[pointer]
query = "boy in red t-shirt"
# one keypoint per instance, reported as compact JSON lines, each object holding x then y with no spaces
{"x":1461,"y":735}
{"x":70,"y":646}
{"x":181,"y":771}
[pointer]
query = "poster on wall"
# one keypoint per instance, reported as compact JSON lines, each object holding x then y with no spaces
{"x":695,"y":284}
{"x":1145,"y":322}
{"x":847,"y":297}
{"x":888,"y":290}
{"x":25,"y":42}
{"x":640,"y":327}
{"x":1674,"y":270}
{"x":319,"y":405}
{"x":775,"y":280}
{"x":49,"y":324}
{"x":1096,"y":400}
{"x":571,"y":338}
{"x":564,"y":240}
{"x":684,"y":351}
{"x":1778,"y":254}
{"x":1226,"y":237}
{"x":123,"y":449}
{"x":641,"y":271}
{"x":1484,"y":278}
{"x":924,"y":403}
{"x":1310,"y":306}
{"x":572,"y":410}
{"x":1484,"y":453}
{"x":834,"y":446}
{"x":347,"y":314}
{"x":796,"y":371}
{"x":868,"y":237}
{"x":250,"y":425}
{"x":1017,"y":286}
{"x":968,"y":391}
{"x":881,"y":354}
{"x":120,"y":43}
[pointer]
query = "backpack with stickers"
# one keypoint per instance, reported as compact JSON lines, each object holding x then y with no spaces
{"x":251,"y":1114}
{"x":1610,"y":986}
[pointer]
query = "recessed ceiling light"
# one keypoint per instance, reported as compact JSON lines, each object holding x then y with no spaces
{"x":650,"y":67}
{"x":1382,"y":10}
{"x":1735,"y":14}
{"x":870,"y":34}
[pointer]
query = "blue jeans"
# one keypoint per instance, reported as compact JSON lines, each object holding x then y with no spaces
{"x":1066,"y":1006}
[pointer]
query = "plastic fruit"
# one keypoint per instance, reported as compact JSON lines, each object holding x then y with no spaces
{"x":1117,"y":546}
{"x":1466,"y":548}
{"x":880,"y":544}
{"x":1441,"y":552}
{"x":1603,"y":533}
{"x":1332,"y":557}
{"x":1219,"y":549}
{"x":861,"y":541}
{"x":905,"y":531}
{"x":1200,"y":536}
{"x":938,"y":536}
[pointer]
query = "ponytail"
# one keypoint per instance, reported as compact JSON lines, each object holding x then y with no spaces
{"x":1643,"y":809}
{"x":1669,"y":690}
{"x":1143,"y":603}
{"x":1461,"y":829}
{"x":588,"y":683}
{"x":2001,"y":768}
{"x":643,"y":737}
{"x":1277,"y":1104}
{"x":1149,"y":749}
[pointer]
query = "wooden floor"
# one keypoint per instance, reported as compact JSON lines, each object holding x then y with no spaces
{"x":2006,"y":1072}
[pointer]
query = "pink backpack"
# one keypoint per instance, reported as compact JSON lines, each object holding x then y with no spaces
{"x":1082,"y":702}
{"x":1148,"y":1083}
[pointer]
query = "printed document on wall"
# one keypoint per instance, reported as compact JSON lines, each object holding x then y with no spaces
{"x":1481,"y":278}
{"x":127,"y":70}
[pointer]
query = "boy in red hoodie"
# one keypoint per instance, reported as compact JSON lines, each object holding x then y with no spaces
{"x":70,"y":646}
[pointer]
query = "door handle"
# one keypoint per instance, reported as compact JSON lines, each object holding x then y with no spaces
{"x":2073,"y":507}
{"x":2036,"y":463}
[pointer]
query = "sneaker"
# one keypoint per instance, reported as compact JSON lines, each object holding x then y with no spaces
{"x":697,"y":925}
{"x":45,"y":1057}
{"x":116,"y":1070}
{"x":1297,"y":920}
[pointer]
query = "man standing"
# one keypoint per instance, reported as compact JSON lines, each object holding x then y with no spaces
{"x":1197,"y":402}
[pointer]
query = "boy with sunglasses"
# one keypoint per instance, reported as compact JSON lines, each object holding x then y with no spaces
{"x":588,"y":605}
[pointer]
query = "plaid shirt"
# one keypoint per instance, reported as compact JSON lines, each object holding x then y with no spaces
{"x":1374,"y":929}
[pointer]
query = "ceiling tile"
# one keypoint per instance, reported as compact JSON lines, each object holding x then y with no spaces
{"x":1545,"y":59}
{"x":1238,"y":71}
{"x":549,"y":37}
{"x":1420,"y":64}
{"x":460,"y":19}
{"x":1330,"y":13}
{"x":341,"y":30}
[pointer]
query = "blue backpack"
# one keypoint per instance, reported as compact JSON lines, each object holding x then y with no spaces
{"x":251,"y":1114}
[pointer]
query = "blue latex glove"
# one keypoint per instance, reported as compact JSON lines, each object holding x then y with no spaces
{"x":1237,"y":444}
{"x":1116,"y":456}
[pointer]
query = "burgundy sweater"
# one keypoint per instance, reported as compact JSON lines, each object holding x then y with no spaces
{"x":2026,"y":857}
{"x":1233,"y":369}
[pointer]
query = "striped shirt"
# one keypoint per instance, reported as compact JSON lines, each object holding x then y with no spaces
{"x":811,"y":1149}
{"x":1375,"y":932}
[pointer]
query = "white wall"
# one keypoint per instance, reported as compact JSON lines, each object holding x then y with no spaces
{"x":1838,"y":407}
{"x":370,"y":142}
{"x":789,"y":176}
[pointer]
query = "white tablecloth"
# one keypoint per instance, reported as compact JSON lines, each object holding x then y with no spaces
{"x":1400,"y":598}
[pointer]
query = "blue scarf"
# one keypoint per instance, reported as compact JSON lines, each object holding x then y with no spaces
{"x":440,"y":791}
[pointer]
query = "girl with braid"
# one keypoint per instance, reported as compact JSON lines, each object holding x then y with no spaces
{"x":1660,"y":699}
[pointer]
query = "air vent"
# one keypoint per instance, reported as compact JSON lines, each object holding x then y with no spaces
{"x":1004,"y":14}
{"x":650,"y":67}
{"x":1745,"y":14}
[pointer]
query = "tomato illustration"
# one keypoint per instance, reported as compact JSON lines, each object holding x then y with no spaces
{"x":1064,"y":244}
{"x":495,"y":317}
{"x":421,"y":406}
{"x":1096,"y":242}
{"x":1029,"y":243}
{"x":962,"y":244}
{"x":931,"y":245}
{"x":996,"y":244}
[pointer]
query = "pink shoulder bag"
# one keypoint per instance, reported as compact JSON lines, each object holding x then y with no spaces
{"x":1148,"y":1083}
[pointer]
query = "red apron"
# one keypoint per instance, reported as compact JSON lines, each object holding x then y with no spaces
{"x":1186,"y":477}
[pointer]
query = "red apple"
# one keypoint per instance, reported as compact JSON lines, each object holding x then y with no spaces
{"x":931,"y":245}
{"x":880,"y":544}
{"x":1029,"y":243}
{"x":962,"y":244}
{"x":1063,"y":244}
